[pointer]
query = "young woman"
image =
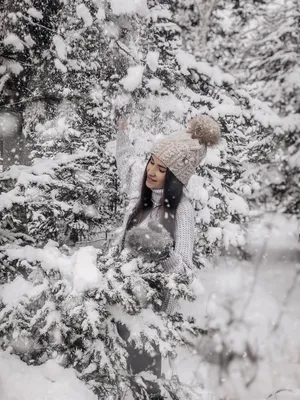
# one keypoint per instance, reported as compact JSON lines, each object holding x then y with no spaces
{"x":157,"y":202}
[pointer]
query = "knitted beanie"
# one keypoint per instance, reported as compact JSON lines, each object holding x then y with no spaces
{"x":183,"y":151}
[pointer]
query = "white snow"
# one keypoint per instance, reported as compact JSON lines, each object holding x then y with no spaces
{"x":291,"y":122}
{"x":133,"y":78}
{"x":130,"y":267}
{"x":60,"y":47}
{"x":294,"y":160}
{"x":223,"y":110}
{"x":60,"y":66}
{"x":213,"y":157}
{"x":42,"y":167}
{"x":292,"y":78}
{"x":166,"y":104}
{"x":49,"y":381}
{"x":139,"y":7}
{"x":154,"y":84}
{"x":33,"y":12}
{"x":85,"y":273}
{"x":196,"y":190}
{"x":84,"y":13}
{"x":2,"y":71}
{"x":8,"y":199}
{"x":158,"y":12}
{"x":100,"y":14}
{"x":233,"y":234}
{"x":203,"y":215}
{"x":80,"y":269}
{"x":12,"y":292}
{"x":187,"y":61}
{"x":236,"y":204}
{"x":213,"y":234}
{"x":29,"y":41}
{"x":152,"y":60}
{"x":13,"y":40}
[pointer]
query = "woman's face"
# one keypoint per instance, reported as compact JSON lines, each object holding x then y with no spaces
{"x":156,"y":173}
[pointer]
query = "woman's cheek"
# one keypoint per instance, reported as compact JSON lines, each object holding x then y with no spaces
{"x":162,"y":178}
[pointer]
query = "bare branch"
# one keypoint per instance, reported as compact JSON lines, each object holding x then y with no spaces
{"x":286,"y":300}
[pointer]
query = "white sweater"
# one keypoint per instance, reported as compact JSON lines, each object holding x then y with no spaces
{"x":130,"y":170}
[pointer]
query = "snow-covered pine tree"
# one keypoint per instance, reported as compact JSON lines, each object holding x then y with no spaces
{"x":265,"y":64}
{"x":70,"y":170}
{"x":66,"y":113}
{"x":272,"y":75}
{"x":66,"y":307}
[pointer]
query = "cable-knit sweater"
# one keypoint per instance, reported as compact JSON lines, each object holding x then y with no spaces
{"x":130,"y":170}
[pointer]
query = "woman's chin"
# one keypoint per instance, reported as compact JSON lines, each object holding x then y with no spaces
{"x":151,"y":185}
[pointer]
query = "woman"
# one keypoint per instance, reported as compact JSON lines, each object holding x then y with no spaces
{"x":158,"y":205}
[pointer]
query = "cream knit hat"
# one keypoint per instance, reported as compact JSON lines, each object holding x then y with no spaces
{"x":183,"y":151}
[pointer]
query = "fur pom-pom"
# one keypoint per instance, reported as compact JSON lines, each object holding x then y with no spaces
{"x":205,"y":129}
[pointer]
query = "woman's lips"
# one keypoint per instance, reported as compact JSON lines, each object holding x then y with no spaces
{"x":151,"y":180}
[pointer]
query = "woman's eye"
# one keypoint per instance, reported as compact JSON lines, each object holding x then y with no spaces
{"x":161,"y":171}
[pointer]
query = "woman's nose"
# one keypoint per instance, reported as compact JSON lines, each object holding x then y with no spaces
{"x":151,"y":170}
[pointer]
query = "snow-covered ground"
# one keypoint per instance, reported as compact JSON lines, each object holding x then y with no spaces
{"x":257,"y":289}
{"x":49,"y":381}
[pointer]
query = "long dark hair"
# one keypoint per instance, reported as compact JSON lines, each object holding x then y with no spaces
{"x":172,"y":194}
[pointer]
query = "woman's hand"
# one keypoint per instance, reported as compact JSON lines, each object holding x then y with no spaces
{"x":153,"y":243}
{"x":122,"y":123}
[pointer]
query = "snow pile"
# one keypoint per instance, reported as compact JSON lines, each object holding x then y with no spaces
{"x":236,"y":204}
{"x":233,"y":234}
{"x":159,"y":12}
{"x":187,"y":61}
{"x":29,"y":41}
{"x":129,"y":7}
{"x":12,"y":293}
{"x":213,"y":234}
{"x":60,"y":47}
{"x":60,"y":66}
{"x":12,"y":66}
{"x":84,"y":13}
{"x":196,"y":189}
{"x":13,"y":40}
{"x":42,"y":167}
{"x":80,"y":269}
{"x":100,"y":14}
{"x":213,"y":157}
{"x":33,"y":12}
{"x":49,"y":381}
{"x":7,"y":200}
{"x":133,"y":78}
{"x":152,"y":60}
{"x":154,"y":84}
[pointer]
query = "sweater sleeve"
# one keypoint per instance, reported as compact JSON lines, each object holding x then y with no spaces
{"x":129,"y":167}
{"x":180,"y":259}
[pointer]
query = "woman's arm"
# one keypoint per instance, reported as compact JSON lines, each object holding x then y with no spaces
{"x":180,"y":259}
{"x":124,"y":153}
{"x":129,"y":170}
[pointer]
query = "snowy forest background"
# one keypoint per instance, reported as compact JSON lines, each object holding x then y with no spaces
{"x":66,"y":68}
